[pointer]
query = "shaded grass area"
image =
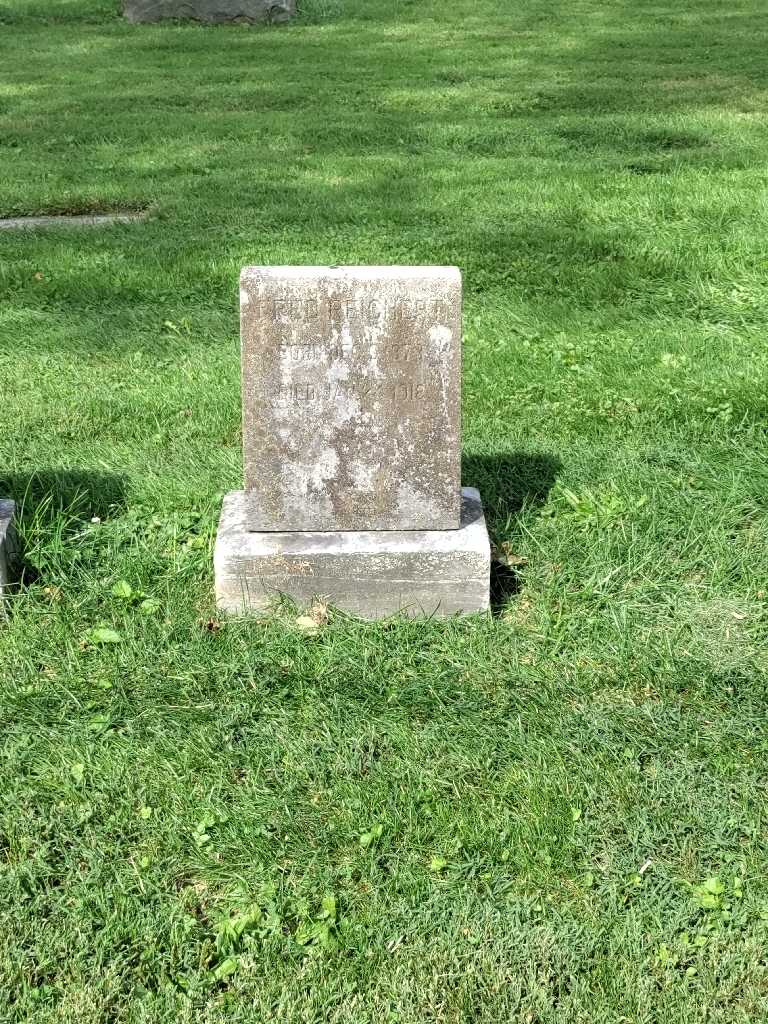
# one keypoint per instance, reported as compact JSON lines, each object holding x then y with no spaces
{"x":556,"y":813}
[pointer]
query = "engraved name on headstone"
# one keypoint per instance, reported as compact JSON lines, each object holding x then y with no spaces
{"x":351,"y":397}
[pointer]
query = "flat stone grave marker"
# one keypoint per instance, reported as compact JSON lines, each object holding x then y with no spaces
{"x":351,"y":435}
{"x":91,"y":220}
{"x":209,"y":10}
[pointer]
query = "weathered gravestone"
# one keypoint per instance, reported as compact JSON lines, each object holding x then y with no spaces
{"x":7,"y":543}
{"x":351,"y":438}
{"x":209,"y":10}
{"x":351,"y":397}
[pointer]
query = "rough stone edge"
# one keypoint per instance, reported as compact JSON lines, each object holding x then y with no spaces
{"x":236,"y":544}
{"x":356,"y":271}
{"x":8,"y":544}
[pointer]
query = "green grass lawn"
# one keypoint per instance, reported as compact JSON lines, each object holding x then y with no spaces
{"x":555,"y":813}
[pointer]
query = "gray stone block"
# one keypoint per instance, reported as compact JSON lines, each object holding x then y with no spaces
{"x":370,"y":573}
{"x":351,"y":397}
{"x":209,"y":10}
{"x":8,"y":549}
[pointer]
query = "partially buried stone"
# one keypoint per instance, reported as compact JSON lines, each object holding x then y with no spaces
{"x":8,"y":551}
{"x":209,"y":10}
{"x":351,"y":397}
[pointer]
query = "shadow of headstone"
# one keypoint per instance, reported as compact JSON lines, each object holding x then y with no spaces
{"x":509,"y":482}
{"x":46,"y":498}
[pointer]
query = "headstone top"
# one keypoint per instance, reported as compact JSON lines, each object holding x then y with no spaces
{"x":377,"y":274}
{"x":351,"y":397}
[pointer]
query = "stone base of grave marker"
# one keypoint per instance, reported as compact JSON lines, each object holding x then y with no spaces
{"x":370,"y":573}
{"x":7,"y":543}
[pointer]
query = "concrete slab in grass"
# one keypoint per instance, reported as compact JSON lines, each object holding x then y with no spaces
{"x":209,"y":10}
{"x":98,"y":220}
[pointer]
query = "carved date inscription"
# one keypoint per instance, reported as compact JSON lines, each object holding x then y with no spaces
{"x":301,"y":392}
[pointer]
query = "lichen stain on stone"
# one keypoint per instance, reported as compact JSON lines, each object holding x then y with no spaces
{"x":364,"y":431}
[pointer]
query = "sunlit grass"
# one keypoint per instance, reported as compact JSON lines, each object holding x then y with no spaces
{"x":555,"y":813}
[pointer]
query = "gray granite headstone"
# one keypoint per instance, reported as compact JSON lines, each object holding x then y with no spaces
{"x":209,"y":10}
{"x":351,"y":397}
{"x":351,"y":439}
